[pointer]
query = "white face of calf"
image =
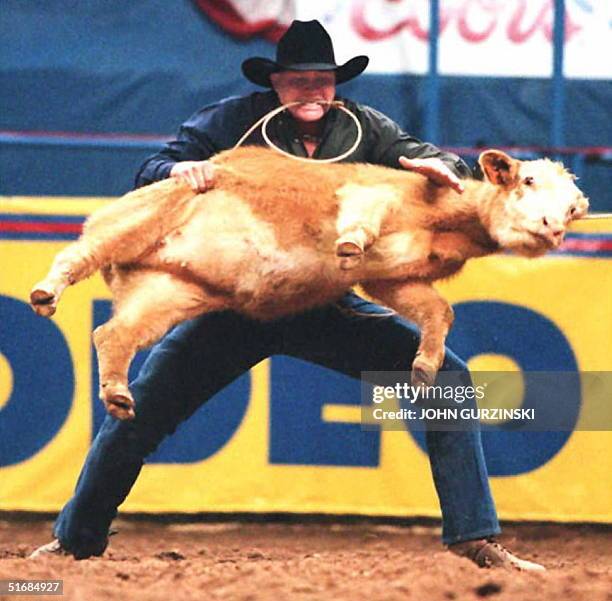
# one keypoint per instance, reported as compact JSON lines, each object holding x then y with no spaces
{"x":539,"y":200}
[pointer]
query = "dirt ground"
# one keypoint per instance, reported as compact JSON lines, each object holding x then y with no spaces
{"x":286,"y":561}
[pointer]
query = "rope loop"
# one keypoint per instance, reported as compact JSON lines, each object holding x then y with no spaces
{"x":265,"y":120}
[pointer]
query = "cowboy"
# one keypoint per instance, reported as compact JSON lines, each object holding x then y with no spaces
{"x":183,"y":370}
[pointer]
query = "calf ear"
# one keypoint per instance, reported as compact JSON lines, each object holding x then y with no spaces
{"x":499,"y":168}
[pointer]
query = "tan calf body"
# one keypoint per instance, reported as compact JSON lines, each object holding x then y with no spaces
{"x":265,"y":242}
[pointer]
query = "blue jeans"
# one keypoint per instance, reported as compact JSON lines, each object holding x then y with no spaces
{"x":186,"y":368}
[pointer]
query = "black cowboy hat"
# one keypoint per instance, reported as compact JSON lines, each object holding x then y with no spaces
{"x":305,"y":46}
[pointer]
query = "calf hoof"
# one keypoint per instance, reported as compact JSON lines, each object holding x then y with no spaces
{"x":348,"y":248}
{"x":43,"y":301}
{"x":423,"y":372}
{"x":351,"y":248}
{"x":348,"y":263}
{"x":118,"y":401}
{"x":121,"y":407}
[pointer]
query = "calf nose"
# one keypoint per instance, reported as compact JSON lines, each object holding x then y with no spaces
{"x":553,"y":228}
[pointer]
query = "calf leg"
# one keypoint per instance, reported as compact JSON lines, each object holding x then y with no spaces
{"x":120,"y":232}
{"x":74,"y":263}
{"x":420,"y":303}
{"x":153,"y":303}
{"x":361,"y":212}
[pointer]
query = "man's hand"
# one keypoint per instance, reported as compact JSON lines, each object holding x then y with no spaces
{"x":435,"y":170}
{"x":198,"y":174}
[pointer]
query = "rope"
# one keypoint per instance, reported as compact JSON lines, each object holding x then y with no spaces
{"x":597,"y":216}
{"x":265,"y":120}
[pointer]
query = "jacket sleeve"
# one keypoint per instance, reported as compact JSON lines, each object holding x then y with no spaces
{"x":389,"y":142}
{"x":207,"y":132}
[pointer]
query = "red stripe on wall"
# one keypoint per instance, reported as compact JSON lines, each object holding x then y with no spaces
{"x":584,"y":245}
{"x":40,"y":227}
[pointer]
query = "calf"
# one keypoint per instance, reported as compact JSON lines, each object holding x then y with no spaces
{"x":277,"y":236}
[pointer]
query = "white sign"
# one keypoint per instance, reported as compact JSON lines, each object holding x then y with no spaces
{"x":477,"y":37}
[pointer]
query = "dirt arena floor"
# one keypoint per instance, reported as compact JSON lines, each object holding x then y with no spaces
{"x":285,"y":561}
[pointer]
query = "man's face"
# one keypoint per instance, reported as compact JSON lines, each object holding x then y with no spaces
{"x":308,"y":87}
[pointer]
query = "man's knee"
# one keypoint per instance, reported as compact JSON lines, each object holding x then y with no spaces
{"x":136,"y":438}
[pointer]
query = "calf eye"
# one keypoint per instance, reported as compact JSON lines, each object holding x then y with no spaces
{"x":528,"y":181}
{"x":572,"y":210}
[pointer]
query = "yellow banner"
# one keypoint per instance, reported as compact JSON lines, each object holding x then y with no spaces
{"x":512,"y":313}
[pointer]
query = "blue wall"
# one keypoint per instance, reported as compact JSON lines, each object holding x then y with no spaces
{"x":143,"y":66}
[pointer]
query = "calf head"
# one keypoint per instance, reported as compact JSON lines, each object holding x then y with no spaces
{"x":534,"y":203}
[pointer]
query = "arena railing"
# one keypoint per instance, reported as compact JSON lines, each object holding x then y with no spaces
{"x":574,"y":157}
